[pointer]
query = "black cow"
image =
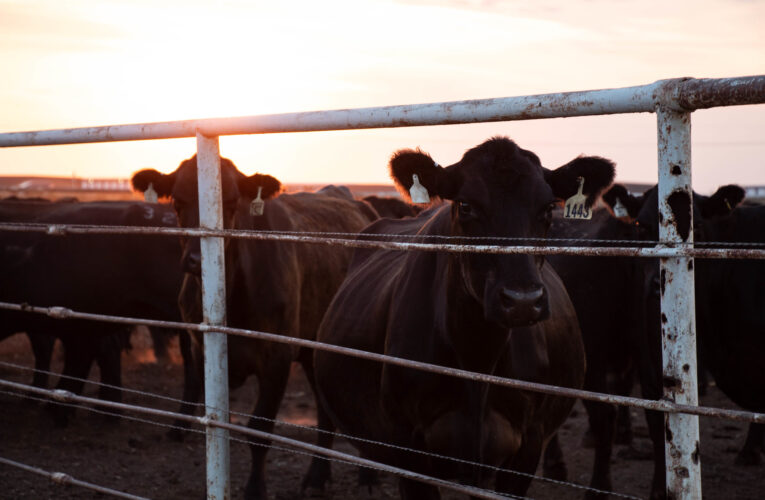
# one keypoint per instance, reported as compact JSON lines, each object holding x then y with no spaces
{"x":393,"y":208}
{"x":507,"y":315}
{"x":272,"y":286}
{"x":124,"y":275}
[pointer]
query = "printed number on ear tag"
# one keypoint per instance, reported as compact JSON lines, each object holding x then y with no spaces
{"x":417,"y":192}
{"x":257,"y":205}
{"x":576,"y":206}
{"x":150,"y":195}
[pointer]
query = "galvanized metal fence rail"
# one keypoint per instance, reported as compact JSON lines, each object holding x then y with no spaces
{"x":672,"y":100}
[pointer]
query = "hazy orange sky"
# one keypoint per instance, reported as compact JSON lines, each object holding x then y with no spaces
{"x":90,"y":63}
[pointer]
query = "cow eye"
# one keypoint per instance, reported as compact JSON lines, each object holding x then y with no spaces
{"x":465,"y":209}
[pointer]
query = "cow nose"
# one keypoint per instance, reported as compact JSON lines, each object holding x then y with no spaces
{"x":193,"y":263}
{"x":523,"y":306}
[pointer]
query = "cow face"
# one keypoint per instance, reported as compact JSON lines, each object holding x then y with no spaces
{"x":499,"y":190}
{"x":182,"y":188}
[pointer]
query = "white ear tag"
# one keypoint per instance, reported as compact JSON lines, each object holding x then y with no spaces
{"x":576,"y":206}
{"x":150,"y":195}
{"x":257,"y":205}
{"x":417,"y":192}
{"x":620,"y":210}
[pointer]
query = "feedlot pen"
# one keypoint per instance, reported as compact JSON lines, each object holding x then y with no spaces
{"x":672,"y":100}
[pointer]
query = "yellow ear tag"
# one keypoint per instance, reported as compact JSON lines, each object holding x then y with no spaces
{"x":150,"y":195}
{"x":257,"y":205}
{"x":576,"y":206}
{"x":620,"y":210}
{"x":417,"y":192}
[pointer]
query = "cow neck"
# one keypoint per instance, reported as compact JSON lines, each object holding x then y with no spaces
{"x":252,"y":268}
{"x":478,"y":344}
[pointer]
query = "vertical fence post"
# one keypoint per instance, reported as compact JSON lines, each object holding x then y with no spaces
{"x":214,"y":307}
{"x":678,"y":318}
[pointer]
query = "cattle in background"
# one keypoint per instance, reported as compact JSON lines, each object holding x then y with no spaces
{"x":391,"y":207}
{"x":607,"y":294}
{"x":715,"y":219}
{"x":507,"y":315}
{"x":272,"y":286}
{"x":122,"y":275}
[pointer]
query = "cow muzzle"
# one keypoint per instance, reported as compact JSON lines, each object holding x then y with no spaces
{"x":192,"y":263}
{"x":522,"y":307}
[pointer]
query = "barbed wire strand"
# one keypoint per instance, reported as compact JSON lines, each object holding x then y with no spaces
{"x":316,"y":430}
{"x":662,"y":405}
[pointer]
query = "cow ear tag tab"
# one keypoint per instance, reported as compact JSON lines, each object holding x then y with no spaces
{"x":257,"y":205}
{"x":620,"y":210}
{"x":576,"y":206}
{"x":417,"y":192}
{"x":150,"y":195}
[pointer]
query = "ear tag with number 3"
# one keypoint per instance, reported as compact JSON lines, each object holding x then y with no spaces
{"x":620,"y":210}
{"x":417,"y":192}
{"x":576,"y":206}
{"x":257,"y":205}
{"x":150,"y":195}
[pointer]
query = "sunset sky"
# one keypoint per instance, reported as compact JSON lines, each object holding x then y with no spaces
{"x":106,"y":62}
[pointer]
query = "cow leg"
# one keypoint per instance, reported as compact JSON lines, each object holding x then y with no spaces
{"x":602,"y":419}
{"x":409,"y":489}
{"x":750,"y":454}
{"x":78,"y":357}
{"x":110,"y":363}
{"x":193,"y":375}
{"x":272,"y":384}
{"x":525,"y":461}
{"x":160,"y":339}
{"x":42,"y":347}
{"x":655,"y":422}
{"x":554,"y":465}
{"x":624,"y":384}
{"x":319,"y":472}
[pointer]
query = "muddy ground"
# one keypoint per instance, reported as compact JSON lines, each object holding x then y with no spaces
{"x":137,"y":457}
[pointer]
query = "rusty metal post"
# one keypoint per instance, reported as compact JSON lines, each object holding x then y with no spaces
{"x":214,"y":307}
{"x":678,"y":318}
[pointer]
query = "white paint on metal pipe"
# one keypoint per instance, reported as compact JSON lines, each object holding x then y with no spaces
{"x":214,"y":310}
{"x":685,"y":93}
{"x":678,"y":319}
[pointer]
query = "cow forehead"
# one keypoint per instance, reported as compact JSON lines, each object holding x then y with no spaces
{"x":186,"y":181}
{"x":503,"y":179}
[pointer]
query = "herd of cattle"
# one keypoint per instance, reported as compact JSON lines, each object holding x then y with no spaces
{"x":570,"y":321}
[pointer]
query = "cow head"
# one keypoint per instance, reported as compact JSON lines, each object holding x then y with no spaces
{"x":499,"y":190}
{"x":182,"y":188}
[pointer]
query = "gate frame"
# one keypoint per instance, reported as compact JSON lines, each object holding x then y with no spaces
{"x":672,"y":100}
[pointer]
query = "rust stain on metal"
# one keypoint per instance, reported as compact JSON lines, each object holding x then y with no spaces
{"x":679,"y":202}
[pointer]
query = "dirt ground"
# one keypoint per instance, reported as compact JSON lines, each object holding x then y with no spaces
{"x":136,"y":457}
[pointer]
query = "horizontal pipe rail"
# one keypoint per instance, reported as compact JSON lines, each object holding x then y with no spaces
{"x":658,"y":405}
{"x":67,"y":480}
{"x":68,"y":397}
{"x":680,"y":93}
{"x":352,"y":241}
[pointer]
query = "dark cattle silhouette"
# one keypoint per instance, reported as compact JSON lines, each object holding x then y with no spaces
{"x":123,"y":275}
{"x":278,"y":287}
{"x":715,"y":217}
{"x":506,"y":315}
{"x":393,"y":208}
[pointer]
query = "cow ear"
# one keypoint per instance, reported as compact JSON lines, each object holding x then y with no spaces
{"x":161,"y":183}
{"x":722,"y":202}
{"x":405,"y":164}
{"x":621,"y":201}
{"x":597,"y":172}
{"x":270,"y":186}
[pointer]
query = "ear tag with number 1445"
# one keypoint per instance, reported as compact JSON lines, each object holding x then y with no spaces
{"x":576,"y":206}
